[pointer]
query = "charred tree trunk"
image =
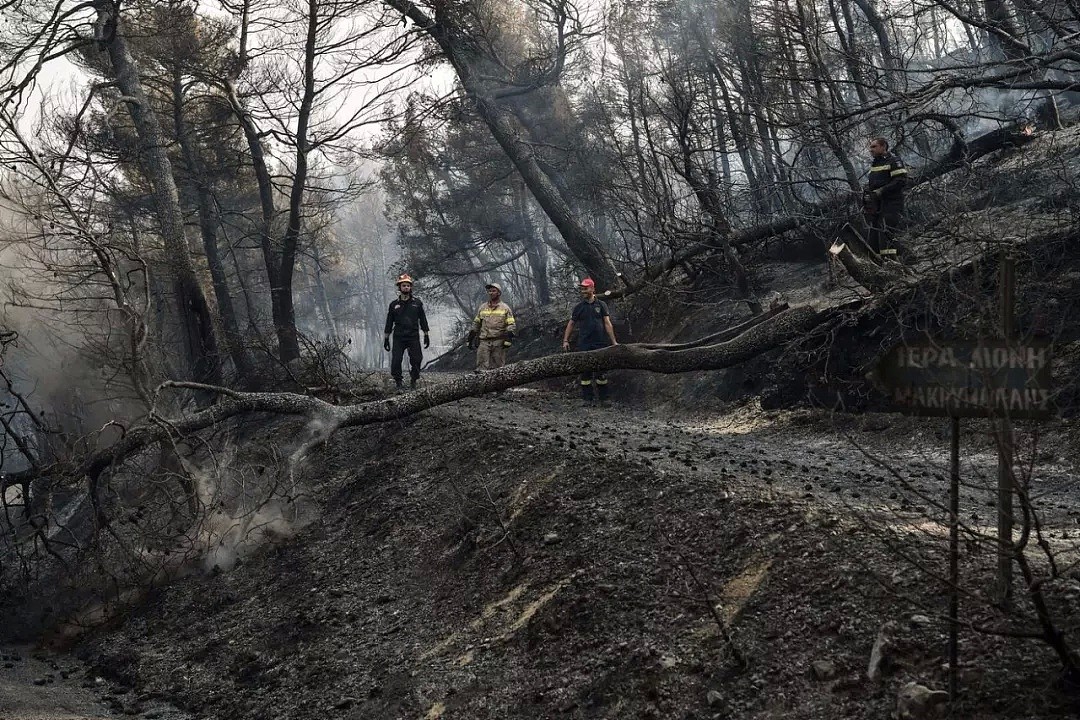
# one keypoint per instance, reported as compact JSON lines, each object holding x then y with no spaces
{"x":704,"y":189}
{"x":823,"y":82}
{"x":200,"y":341}
{"x":322,"y":300}
{"x":288,"y":341}
{"x":507,"y":129}
{"x":720,"y":140}
{"x":893,"y":65}
{"x":1004,"y":35}
{"x":208,"y":224}
{"x":849,"y":44}
{"x":271,"y":255}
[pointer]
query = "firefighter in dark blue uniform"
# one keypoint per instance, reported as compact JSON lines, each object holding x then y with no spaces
{"x":883,"y":200}
{"x":593,"y":323}
{"x":405,"y":320}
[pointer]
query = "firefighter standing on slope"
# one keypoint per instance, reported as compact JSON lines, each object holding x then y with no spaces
{"x":405,"y":320}
{"x":883,"y":199}
{"x":493,"y":330}
{"x":593,"y":323}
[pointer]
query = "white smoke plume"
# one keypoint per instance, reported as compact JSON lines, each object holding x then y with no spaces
{"x":243,"y":508}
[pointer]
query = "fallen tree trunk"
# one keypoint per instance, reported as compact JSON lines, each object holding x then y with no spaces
{"x":738,"y":239}
{"x":962,"y":153}
{"x":728,"y":348}
{"x":721,"y":336}
{"x":782,"y":328}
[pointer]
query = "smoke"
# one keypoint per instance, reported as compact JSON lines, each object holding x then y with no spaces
{"x":60,"y":360}
{"x":228,"y":538}
{"x":242,"y":506}
{"x":316,"y":432}
{"x":247,"y":505}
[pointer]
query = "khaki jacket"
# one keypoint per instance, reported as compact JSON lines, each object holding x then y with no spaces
{"x":492,"y":323}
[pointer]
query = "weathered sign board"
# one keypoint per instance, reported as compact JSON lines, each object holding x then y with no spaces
{"x":970,"y":379}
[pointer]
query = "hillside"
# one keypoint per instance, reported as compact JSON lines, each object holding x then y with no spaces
{"x":518,"y":557}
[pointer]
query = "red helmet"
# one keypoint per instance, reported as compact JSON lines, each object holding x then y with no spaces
{"x":588,"y":282}
{"x":403,"y":278}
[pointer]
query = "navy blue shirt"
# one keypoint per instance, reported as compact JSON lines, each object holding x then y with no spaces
{"x":589,"y":322}
{"x":406,"y":318}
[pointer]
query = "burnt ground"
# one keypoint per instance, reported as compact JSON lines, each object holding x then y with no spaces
{"x":517,"y":556}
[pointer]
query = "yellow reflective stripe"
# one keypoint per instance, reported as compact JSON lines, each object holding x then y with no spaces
{"x":601,"y":382}
{"x":899,"y":171}
{"x":888,"y":252}
{"x":879,"y":168}
{"x":586,"y":382}
{"x":496,"y":311}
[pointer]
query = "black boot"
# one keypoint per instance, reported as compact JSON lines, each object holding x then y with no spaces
{"x":398,"y":387}
{"x":412,"y":383}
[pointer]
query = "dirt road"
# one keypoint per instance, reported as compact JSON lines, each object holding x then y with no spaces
{"x":36,"y":687}
{"x":41,"y":686}
{"x":876,"y":463}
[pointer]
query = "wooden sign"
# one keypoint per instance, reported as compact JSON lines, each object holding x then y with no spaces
{"x":970,"y":379}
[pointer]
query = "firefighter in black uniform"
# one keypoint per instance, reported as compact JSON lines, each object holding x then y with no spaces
{"x":405,"y":320}
{"x":883,"y":199}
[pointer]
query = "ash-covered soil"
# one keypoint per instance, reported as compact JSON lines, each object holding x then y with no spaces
{"x":518,"y":556}
{"x":39,"y":685}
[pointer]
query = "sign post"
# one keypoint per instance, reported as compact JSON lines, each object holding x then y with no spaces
{"x":996,"y":379}
{"x":954,"y":557}
{"x":1005,"y":451}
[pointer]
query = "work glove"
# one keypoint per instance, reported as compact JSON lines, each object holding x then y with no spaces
{"x":474,"y":340}
{"x":386,"y":344}
{"x":508,"y":342}
{"x":870,"y":201}
{"x":427,"y":340}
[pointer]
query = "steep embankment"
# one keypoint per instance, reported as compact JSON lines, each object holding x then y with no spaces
{"x":518,"y":557}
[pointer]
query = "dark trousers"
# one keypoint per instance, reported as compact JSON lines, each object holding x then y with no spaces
{"x":397,"y":352}
{"x":884,"y":225}
{"x":590,"y":380}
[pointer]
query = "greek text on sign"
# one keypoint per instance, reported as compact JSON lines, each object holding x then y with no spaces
{"x":970,"y":379}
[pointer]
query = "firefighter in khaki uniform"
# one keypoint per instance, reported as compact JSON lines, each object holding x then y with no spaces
{"x":883,"y":200}
{"x":493,"y":330}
